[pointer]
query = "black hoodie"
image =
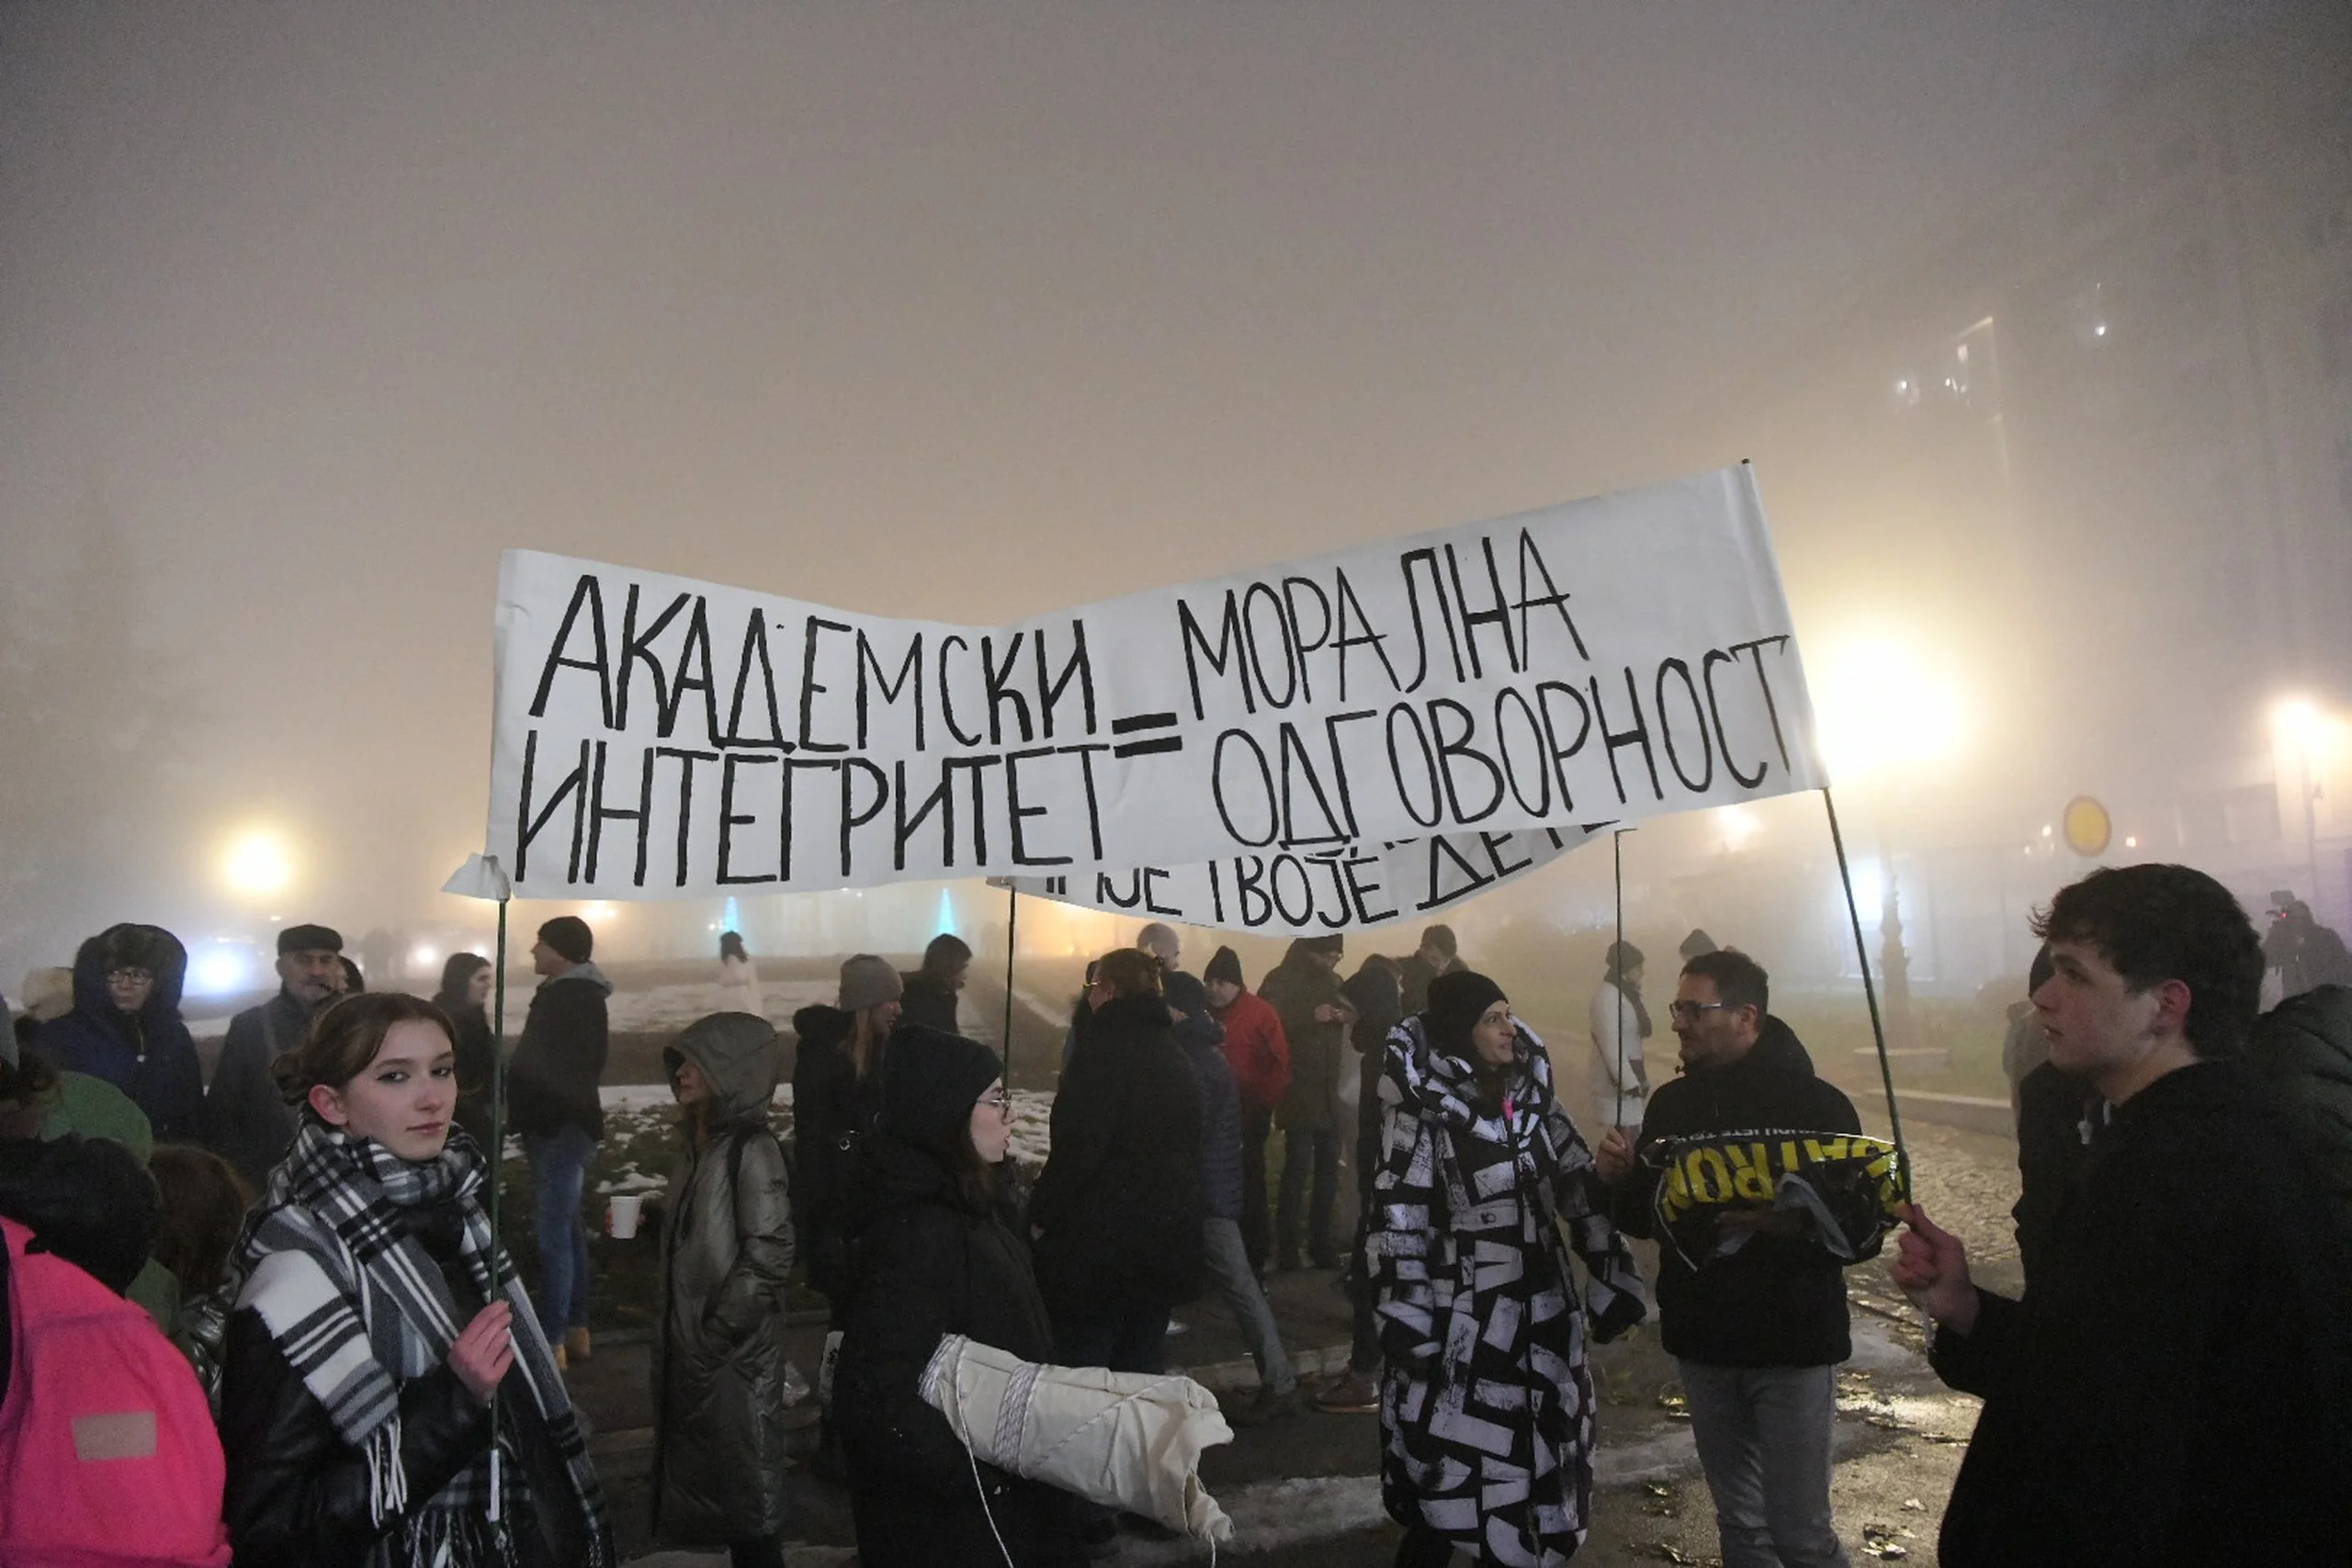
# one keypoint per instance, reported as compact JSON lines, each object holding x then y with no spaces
{"x":1777,"y":1302}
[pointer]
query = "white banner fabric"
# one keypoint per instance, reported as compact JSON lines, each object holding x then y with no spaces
{"x":1315,"y":893}
{"x":1609,"y":660}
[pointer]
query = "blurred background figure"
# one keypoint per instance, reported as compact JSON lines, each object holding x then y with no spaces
{"x":1619,"y":1024}
{"x":247,"y":1121}
{"x":739,"y":978}
{"x":931,"y":993}
{"x":466,"y":982}
{"x":125,"y":1030}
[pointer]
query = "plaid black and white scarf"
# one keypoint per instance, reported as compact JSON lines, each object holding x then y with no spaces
{"x":330,"y":1261}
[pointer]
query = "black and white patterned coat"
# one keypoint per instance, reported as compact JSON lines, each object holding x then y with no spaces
{"x":1486,"y":1414}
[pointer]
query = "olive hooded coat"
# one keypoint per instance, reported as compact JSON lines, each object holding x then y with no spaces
{"x":726,"y":1241}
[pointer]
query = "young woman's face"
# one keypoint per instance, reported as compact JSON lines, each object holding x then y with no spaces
{"x":688,"y":1084}
{"x":993,"y":1123}
{"x":478,"y":988}
{"x":1494,"y":1035}
{"x":402,"y":1099}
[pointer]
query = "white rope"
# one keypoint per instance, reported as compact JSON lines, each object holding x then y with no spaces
{"x":980,"y":1487}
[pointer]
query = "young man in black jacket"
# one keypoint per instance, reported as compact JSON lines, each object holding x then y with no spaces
{"x":552,"y":1093}
{"x":1759,"y":1329}
{"x":2173,"y":1388}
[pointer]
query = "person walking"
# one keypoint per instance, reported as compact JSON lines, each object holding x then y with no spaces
{"x":941,"y":1251}
{"x":378,"y":1320}
{"x":1260,"y":1057}
{"x":931,"y":992}
{"x":126,"y":1029}
{"x":1759,"y":1326}
{"x":718,"y":1439}
{"x":738,"y":977}
{"x":1224,"y":1258}
{"x":1620,"y":1025}
{"x":245,"y":1121}
{"x":1305,"y":992}
{"x":1485,"y":1188}
{"x":464,"y":997}
{"x":553,"y":1081}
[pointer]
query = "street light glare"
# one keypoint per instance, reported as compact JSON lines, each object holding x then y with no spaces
{"x":1880,"y":706}
{"x":2298,"y":719}
{"x":257,"y":864}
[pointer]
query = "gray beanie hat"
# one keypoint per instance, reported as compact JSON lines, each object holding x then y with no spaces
{"x":869,"y":981}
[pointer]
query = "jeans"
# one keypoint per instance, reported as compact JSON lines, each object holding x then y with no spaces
{"x":558,"y":1169}
{"x":1305,"y":1151}
{"x":1229,"y":1272}
{"x":1763,"y":1436}
{"x":1126,"y":1338}
{"x":1257,"y":1240}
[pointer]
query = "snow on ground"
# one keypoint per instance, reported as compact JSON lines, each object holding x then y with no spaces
{"x":659,"y":1007}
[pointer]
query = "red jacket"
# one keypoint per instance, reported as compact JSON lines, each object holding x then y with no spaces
{"x":1258,"y":1053}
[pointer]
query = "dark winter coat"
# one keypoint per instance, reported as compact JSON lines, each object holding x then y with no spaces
{"x":2058,"y":1115}
{"x":1119,"y":1201}
{"x":1779,"y":1301}
{"x":832,"y":1110}
{"x":1486,"y":1409}
{"x":1415,"y":976}
{"x":1295,"y":988}
{"x":2303,"y":1046}
{"x":150,"y":1055}
{"x":476,"y":1060}
{"x":1220,"y":1129}
{"x":2173,"y":1389}
{"x":926,"y":1002}
{"x":718,"y":1446}
{"x":558,"y":1062}
{"x":932,"y":1264}
{"x":1379,"y":1002}
{"x":246,"y":1118}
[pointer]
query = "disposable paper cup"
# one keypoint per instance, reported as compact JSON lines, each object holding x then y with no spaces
{"x":620,"y":1220}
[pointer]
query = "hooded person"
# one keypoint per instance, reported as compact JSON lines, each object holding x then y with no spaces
{"x":246,"y":1122}
{"x":940,"y":1252}
{"x":125,"y":1030}
{"x":552,"y":1086}
{"x":718,"y":1355}
{"x":1485,"y":1191}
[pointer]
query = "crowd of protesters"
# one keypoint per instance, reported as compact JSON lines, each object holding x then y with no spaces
{"x":315,"y":1350}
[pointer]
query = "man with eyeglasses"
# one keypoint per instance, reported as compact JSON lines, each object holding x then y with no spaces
{"x":1760,"y":1326}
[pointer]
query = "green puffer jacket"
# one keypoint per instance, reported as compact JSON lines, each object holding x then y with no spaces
{"x":719,"y":1457}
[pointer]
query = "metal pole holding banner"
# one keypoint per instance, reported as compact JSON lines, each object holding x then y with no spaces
{"x":1617,"y":1085}
{"x":1011,"y":945}
{"x":1869,"y":991}
{"x":482,"y":877}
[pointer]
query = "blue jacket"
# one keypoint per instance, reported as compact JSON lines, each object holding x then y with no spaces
{"x":1220,"y":1126}
{"x":150,"y":1055}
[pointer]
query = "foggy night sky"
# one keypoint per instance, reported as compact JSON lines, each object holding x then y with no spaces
{"x":953,"y":312}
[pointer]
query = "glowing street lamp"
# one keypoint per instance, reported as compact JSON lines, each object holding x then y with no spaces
{"x":257,"y":864}
{"x":2298,"y":721}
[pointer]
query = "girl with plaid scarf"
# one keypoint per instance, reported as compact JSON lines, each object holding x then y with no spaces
{"x":376,"y":1321}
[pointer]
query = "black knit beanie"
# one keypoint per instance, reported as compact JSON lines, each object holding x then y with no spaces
{"x":1226,"y":965}
{"x":1456,"y":1003}
{"x":931,"y":1080}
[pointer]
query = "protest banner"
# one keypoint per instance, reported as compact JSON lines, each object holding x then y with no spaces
{"x":1609,"y":660}
{"x":1312,"y":893}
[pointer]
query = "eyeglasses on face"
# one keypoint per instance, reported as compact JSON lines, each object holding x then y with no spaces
{"x":1688,"y":1012}
{"x":131,"y":976}
{"x":1001,"y":1100}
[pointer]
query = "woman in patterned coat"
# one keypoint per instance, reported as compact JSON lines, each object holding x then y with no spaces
{"x":1486,"y":1410}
